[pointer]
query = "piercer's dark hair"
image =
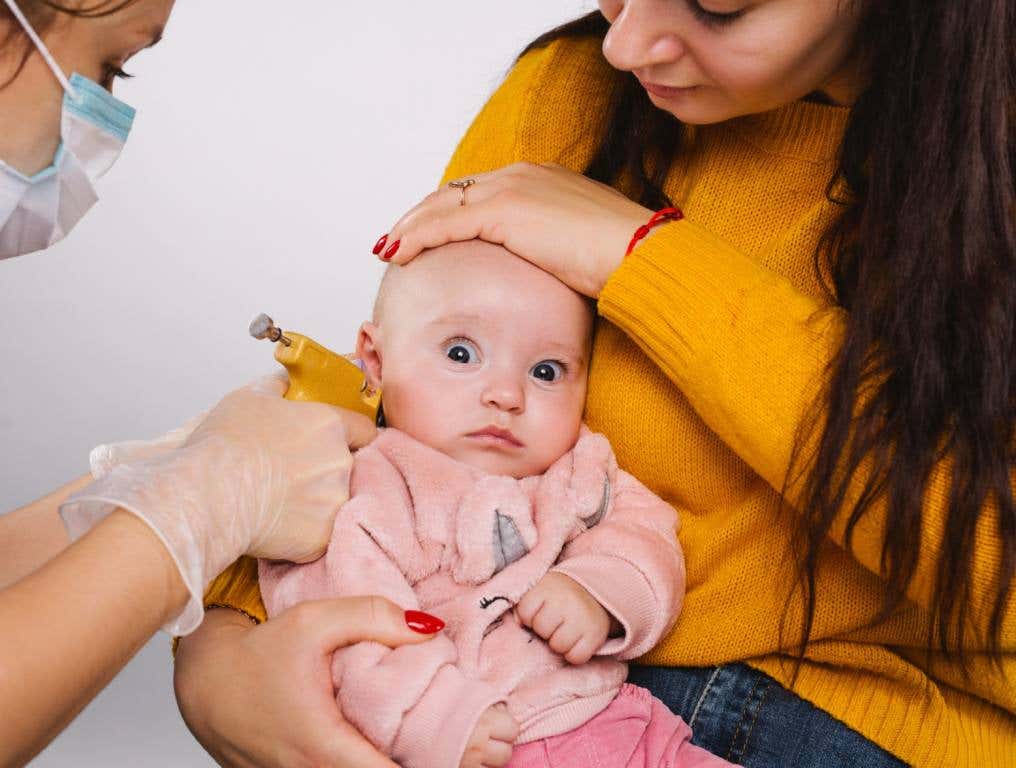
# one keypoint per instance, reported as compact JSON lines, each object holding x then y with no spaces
{"x":41,"y":14}
{"x":923,"y":258}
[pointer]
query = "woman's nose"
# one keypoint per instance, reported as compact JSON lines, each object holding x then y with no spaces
{"x":642,"y":35}
{"x":505,"y":394}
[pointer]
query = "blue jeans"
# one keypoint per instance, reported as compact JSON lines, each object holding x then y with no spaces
{"x":746,"y":717}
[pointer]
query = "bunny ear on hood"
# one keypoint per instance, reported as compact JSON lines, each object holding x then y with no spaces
{"x":494,"y":528}
{"x":578,"y":486}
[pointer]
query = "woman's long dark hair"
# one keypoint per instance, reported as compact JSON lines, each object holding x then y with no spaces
{"x":41,"y":15}
{"x":923,"y":257}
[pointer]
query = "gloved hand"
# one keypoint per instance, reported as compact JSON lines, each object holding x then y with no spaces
{"x":260,"y":476}
{"x":104,"y":458}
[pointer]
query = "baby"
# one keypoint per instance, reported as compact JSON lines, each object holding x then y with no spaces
{"x":488,"y":503}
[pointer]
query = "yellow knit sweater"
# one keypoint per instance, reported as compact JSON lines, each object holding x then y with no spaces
{"x":714,"y":337}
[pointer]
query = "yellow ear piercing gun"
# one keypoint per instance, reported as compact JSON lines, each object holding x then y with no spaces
{"x":317,"y":373}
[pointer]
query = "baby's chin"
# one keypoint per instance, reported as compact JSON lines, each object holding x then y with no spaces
{"x":494,"y":462}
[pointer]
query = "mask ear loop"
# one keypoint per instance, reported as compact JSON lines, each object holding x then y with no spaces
{"x":42,"y":49}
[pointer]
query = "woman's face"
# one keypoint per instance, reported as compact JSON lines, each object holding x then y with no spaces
{"x":705,"y":61}
{"x":96,"y":48}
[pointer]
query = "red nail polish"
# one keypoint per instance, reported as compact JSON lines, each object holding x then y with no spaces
{"x":380,"y":244}
{"x":424,"y":623}
{"x":391,"y":250}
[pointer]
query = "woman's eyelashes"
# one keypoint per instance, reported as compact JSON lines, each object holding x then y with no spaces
{"x":113,"y":72}
{"x":711,"y":18}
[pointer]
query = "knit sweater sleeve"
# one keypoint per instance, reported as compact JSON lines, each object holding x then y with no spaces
{"x":750,"y":352}
{"x":237,"y":588}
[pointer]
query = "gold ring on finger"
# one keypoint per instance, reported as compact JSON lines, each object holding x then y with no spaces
{"x":462,"y":186}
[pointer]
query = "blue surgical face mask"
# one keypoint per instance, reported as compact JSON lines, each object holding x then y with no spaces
{"x":37,"y":211}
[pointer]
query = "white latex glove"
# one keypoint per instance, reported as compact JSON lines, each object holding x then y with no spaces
{"x":104,"y":458}
{"x":260,"y":476}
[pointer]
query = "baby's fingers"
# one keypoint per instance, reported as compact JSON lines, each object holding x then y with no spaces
{"x":502,"y":734}
{"x":584,"y":649}
{"x":530,"y":604}
{"x":496,"y":754}
{"x":503,"y":726}
{"x":565,"y":638}
{"x":547,"y":620}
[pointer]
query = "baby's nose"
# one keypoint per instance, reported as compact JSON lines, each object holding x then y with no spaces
{"x":505,"y":394}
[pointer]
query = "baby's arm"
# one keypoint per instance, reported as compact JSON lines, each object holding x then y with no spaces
{"x":397,"y":698}
{"x":627,"y":568}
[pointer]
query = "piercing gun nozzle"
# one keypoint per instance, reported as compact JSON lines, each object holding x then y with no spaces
{"x":315,"y":372}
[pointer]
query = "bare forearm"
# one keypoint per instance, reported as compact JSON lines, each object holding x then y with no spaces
{"x":201,"y":659}
{"x":70,"y":626}
{"x":33,"y":534}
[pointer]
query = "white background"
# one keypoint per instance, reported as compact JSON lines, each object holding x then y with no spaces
{"x":274,"y":143}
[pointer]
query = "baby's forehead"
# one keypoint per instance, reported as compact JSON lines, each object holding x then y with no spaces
{"x":473,"y":277}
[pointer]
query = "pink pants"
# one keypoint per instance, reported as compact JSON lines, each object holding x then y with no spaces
{"x":635,"y":731}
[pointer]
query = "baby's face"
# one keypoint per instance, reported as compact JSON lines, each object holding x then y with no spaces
{"x":481,"y":356}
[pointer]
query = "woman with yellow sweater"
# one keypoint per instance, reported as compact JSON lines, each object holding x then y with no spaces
{"x":813,"y":365}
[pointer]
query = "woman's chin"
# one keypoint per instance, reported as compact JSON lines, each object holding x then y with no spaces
{"x":692,"y":106}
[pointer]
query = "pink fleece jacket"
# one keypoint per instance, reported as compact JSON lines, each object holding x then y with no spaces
{"x":434,"y":534}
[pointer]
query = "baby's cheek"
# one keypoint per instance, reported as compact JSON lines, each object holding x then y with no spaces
{"x":417,"y":410}
{"x":557,"y":436}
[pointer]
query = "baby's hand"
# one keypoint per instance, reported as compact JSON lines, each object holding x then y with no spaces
{"x":490,"y":746}
{"x":564,"y":614}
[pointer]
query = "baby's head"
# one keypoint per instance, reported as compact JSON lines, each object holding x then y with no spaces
{"x":481,"y":356}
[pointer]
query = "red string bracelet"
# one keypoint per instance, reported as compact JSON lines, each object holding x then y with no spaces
{"x":662,"y":215}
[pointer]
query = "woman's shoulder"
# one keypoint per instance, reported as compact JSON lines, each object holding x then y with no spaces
{"x":571,"y":69}
{"x":546,"y":110}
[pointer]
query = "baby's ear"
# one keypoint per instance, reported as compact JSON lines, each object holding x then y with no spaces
{"x":368,"y":349}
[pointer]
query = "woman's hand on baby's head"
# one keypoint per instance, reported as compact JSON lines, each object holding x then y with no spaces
{"x":561,"y":221}
{"x":563,"y":613}
{"x":490,"y":745}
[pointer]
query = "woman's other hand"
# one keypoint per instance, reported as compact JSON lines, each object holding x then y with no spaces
{"x":575,"y":228}
{"x":263,"y":696}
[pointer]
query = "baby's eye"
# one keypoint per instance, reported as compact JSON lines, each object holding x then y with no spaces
{"x":461,"y":351}
{"x":548,"y":370}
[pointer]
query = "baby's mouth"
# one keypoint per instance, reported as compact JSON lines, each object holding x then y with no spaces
{"x":497,"y":436}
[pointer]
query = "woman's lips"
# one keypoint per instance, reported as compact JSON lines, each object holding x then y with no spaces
{"x":666,"y":91}
{"x":496,"y":436}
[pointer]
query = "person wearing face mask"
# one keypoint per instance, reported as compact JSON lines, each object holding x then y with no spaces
{"x":257,"y":475}
{"x":809,"y":354}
